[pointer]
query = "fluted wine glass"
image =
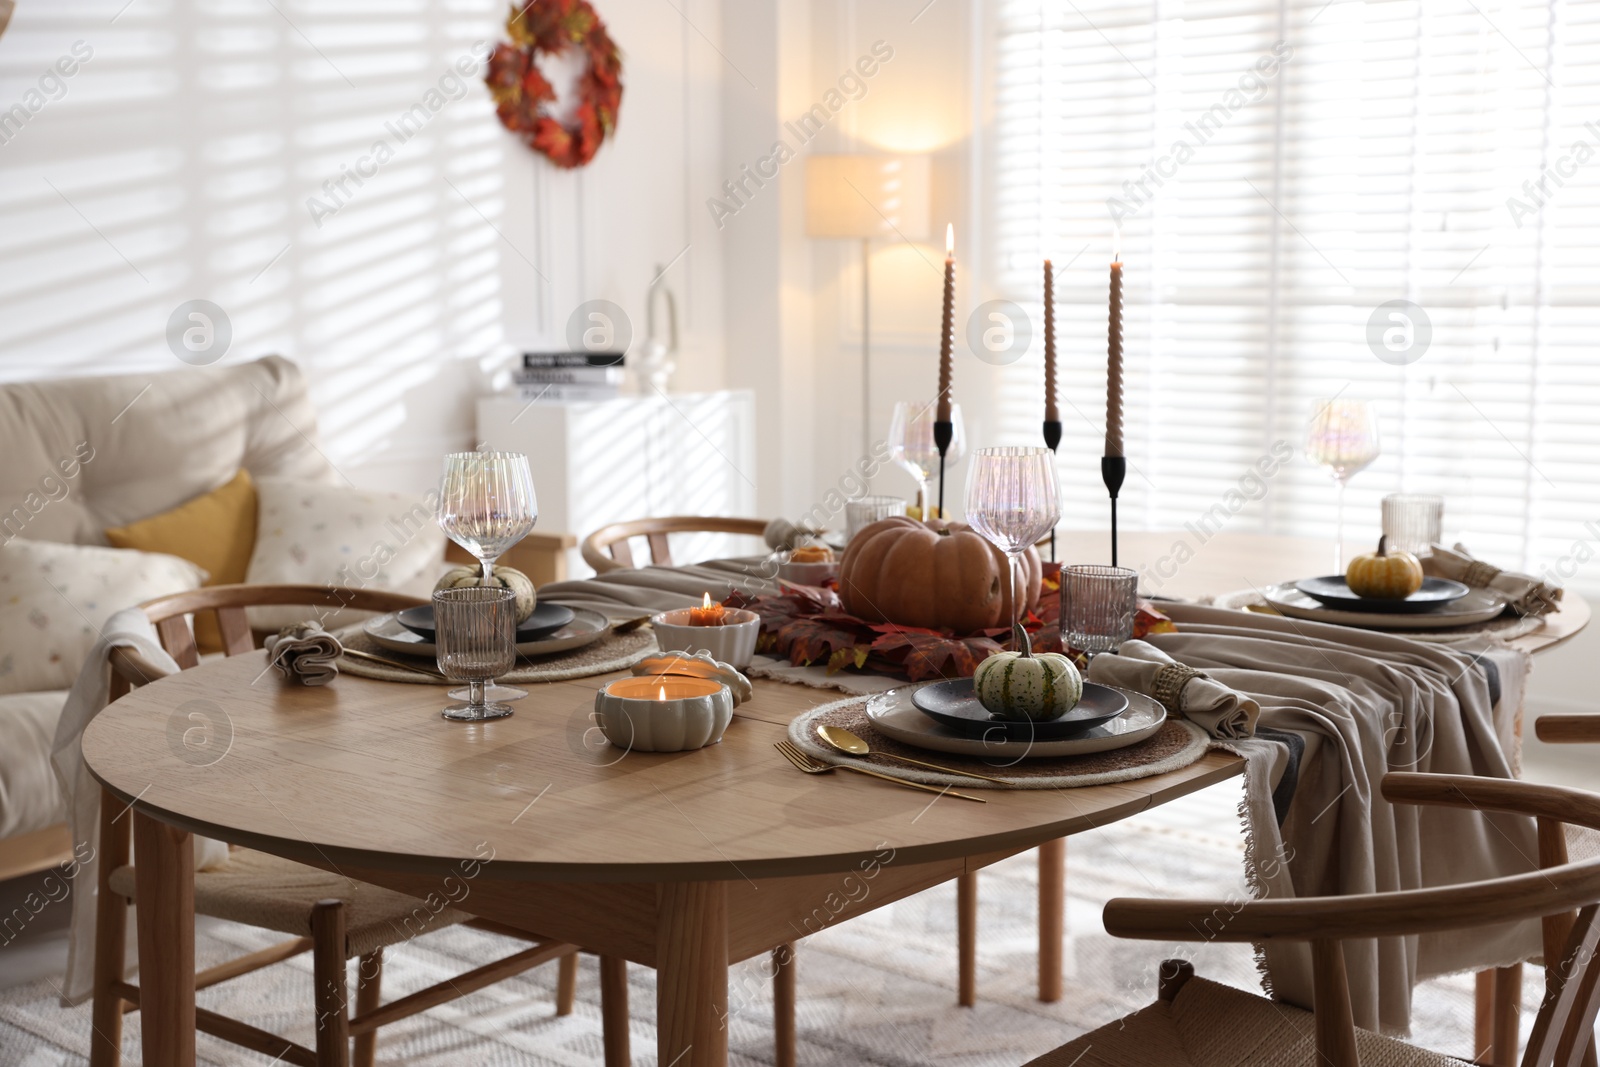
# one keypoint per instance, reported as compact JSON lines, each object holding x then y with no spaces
{"x":912,"y":446}
{"x":1344,"y":438}
{"x":475,"y":633}
{"x":486,"y":505}
{"x":1013,"y":502}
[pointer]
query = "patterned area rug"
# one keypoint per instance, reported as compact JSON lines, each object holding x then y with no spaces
{"x":876,"y":990}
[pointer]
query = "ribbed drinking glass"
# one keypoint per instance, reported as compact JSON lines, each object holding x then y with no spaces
{"x":868,"y":510}
{"x":475,"y":634}
{"x":1413,"y":522}
{"x":1098,"y":604}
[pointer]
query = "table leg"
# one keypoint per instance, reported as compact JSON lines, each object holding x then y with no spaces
{"x":967,"y":939}
{"x":1052,"y":916}
{"x":614,"y":1010}
{"x":783,"y":1005}
{"x":165,"y":885}
{"x":692,"y":974}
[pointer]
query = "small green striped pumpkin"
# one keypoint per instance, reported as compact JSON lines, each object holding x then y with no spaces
{"x":1021,"y":685}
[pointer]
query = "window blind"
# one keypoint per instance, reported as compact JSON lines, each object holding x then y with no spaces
{"x":1280,"y":172}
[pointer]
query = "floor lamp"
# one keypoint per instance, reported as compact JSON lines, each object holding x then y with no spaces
{"x":866,"y":197}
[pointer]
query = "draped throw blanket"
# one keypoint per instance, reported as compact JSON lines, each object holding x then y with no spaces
{"x":1366,"y":703}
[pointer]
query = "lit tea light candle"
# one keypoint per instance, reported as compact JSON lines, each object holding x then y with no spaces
{"x":707,"y":614}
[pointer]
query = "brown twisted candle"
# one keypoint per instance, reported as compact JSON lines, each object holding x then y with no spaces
{"x":1050,"y":413}
{"x":945,"y":336}
{"x":1114,"y":366}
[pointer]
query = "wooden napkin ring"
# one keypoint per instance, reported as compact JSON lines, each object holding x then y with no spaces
{"x":1169,"y":683}
{"x":1479,"y":574}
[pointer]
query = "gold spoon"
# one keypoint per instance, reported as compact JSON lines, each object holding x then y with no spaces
{"x":853,"y":744}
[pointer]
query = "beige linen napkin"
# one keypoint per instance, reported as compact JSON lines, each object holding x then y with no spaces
{"x":305,"y":653}
{"x":1213,"y":707}
{"x":1528,"y":595}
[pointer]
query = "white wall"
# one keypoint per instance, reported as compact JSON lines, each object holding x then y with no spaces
{"x":178,"y":160}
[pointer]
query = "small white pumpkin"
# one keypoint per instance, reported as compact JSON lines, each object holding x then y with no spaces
{"x":1021,"y":685}
{"x":505,"y":577}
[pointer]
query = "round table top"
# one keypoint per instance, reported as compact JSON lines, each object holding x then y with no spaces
{"x":366,"y":773}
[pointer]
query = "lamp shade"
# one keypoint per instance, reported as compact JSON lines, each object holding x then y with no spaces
{"x":867,"y":196}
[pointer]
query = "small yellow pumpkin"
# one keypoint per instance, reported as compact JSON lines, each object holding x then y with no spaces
{"x":1384,"y":575}
{"x":1021,"y":685}
{"x":505,"y":577}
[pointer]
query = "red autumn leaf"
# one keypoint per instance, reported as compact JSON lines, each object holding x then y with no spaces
{"x":928,"y":654}
{"x":807,"y":640}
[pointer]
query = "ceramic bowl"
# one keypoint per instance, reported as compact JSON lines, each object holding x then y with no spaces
{"x":733,"y":643}
{"x":663,"y":714}
{"x":808,"y":573}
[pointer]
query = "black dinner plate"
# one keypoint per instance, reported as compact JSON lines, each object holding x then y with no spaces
{"x":545,"y":620}
{"x":1334,"y":592}
{"x":956,"y":705}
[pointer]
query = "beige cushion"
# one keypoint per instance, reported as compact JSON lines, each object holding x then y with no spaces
{"x":341,"y":536}
{"x":1211,"y":1025}
{"x":54,"y":598}
{"x":78,"y":455}
{"x":30,"y":799}
{"x":268,"y":891}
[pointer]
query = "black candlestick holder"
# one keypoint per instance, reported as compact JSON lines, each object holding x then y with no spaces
{"x":1052,"y":440}
{"x":944,"y":431}
{"x":1113,"y":469}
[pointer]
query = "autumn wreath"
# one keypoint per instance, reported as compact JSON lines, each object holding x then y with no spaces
{"x":523,"y":96}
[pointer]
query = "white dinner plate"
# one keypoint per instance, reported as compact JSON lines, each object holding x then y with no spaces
{"x":1479,"y":605}
{"x":586,"y":627}
{"x":896,"y":716}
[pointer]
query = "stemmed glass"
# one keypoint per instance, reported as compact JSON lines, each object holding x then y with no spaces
{"x":1012,"y":501}
{"x":912,"y":446}
{"x":486,"y":505}
{"x":1098,"y":605}
{"x":1343,"y":438}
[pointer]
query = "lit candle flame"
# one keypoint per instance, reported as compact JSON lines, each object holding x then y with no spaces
{"x":706,"y":603}
{"x":950,"y":239}
{"x":661,"y":693}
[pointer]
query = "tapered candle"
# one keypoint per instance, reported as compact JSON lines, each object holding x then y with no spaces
{"x":945,"y":336}
{"x":1050,"y":413}
{"x":1114,"y":356}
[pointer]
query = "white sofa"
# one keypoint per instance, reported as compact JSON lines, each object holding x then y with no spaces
{"x":159,"y":440}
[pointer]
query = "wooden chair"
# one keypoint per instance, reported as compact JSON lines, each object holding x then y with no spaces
{"x":334,"y":918}
{"x":1208,"y":1025}
{"x":607,"y":549}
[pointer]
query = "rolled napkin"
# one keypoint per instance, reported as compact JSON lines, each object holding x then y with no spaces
{"x":1184,"y":691}
{"x":305,"y":653}
{"x":1528,"y":595}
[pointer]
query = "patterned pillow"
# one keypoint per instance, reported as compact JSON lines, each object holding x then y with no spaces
{"x":55,"y":597}
{"x":339,"y":536}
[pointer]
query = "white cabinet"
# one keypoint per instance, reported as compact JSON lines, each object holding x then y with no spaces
{"x":602,"y":461}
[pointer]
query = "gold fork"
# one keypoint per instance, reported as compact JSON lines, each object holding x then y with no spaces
{"x":804,"y":761}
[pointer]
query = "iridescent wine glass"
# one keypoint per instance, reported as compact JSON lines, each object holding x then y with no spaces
{"x":1013,"y":502}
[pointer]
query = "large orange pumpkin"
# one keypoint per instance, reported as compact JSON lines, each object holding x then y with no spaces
{"x":936,"y":574}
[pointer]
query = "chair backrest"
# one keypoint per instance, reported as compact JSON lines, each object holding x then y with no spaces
{"x":228,"y":603}
{"x":1561,"y":1034}
{"x":607,"y":549}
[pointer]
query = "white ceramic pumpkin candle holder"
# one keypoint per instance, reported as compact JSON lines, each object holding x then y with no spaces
{"x":732,"y":642}
{"x":673,"y":703}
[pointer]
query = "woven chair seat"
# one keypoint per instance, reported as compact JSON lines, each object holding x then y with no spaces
{"x":1211,"y":1025}
{"x":263,"y":890}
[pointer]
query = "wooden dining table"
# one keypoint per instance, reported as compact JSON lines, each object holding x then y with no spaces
{"x":684,"y":862}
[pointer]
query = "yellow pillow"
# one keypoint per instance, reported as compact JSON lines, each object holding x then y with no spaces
{"x":216,"y":531}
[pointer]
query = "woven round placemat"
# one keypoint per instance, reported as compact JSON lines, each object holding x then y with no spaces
{"x":613,"y":652}
{"x":1177,"y":744}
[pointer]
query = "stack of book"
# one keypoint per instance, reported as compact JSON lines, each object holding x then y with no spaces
{"x":557,"y":376}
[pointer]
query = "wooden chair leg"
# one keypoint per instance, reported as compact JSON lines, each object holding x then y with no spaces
{"x":566,"y":983}
{"x":164,"y":881}
{"x":783,"y":1005}
{"x":1507,"y":1014}
{"x":614,"y":1009}
{"x":1052,"y":916}
{"x":110,"y":937}
{"x":967,"y":939}
{"x":328,"y":973}
{"x":369,"y":995}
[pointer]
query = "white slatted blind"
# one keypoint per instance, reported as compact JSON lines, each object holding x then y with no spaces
{"x":1372,"y":155}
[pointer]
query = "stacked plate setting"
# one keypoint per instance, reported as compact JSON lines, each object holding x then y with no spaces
{"x":551,"y":628}
{"x":1439,"y":604}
